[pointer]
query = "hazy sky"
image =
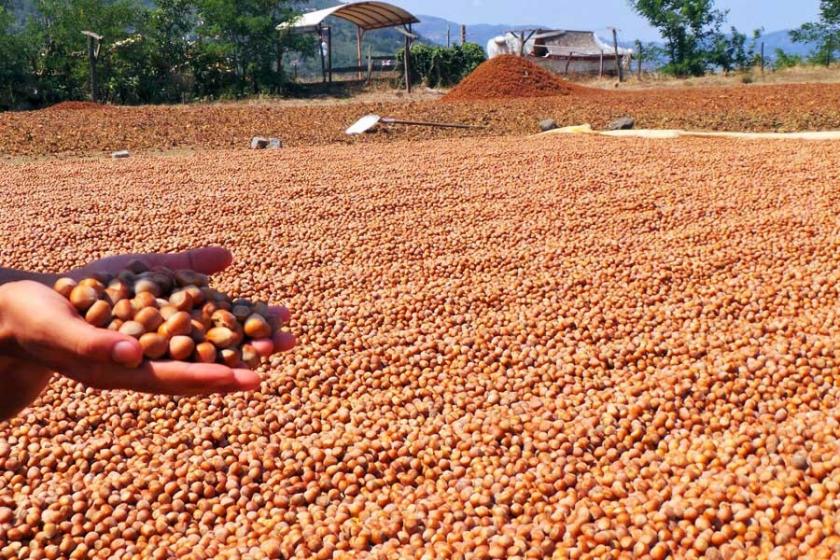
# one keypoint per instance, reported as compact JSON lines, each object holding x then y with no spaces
{"x":596,"y":15}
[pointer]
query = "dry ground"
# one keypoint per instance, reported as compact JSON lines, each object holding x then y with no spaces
{"x":583,"y":347}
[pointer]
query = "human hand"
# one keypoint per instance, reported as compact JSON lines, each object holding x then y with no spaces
{"x":207,"y":260}
{"x":41,"y":332}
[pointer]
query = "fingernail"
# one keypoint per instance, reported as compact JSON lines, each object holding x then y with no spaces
{"x":126,"y":353}
{"x":247,"y":380}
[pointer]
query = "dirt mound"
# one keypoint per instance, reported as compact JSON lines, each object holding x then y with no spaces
{"x":511,"y":76}
{"x":76,"y":106}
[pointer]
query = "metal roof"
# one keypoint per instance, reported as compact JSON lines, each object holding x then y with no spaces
{"x":367,"y":15}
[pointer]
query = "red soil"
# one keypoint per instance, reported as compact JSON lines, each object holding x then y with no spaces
{"x":511,"y":76}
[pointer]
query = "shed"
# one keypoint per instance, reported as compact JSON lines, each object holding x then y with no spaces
{"x":367,"y":16}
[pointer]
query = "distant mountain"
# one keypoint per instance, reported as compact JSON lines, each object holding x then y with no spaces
{"x":782,"y":40}
{"x":434,"y":29}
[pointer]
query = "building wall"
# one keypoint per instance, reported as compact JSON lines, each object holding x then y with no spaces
{"x":581,"y":65}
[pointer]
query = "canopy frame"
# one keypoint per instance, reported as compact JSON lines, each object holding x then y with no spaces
{"x":367,"y":16}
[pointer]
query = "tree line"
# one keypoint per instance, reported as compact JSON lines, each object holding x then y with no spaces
{"x":695,"y":42}
{"x":166,"y":52}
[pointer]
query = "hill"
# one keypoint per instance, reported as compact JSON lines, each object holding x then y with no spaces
{"x":782,"y":40}
{"x":434,"y":29}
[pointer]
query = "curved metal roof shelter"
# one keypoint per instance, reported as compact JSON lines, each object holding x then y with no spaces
{"x":366,"y":15}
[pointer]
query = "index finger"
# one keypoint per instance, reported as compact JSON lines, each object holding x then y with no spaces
{"x":174,"y":378}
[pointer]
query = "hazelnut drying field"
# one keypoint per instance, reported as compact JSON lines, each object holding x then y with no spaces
{"x":84,"y":130}
{"x":509,"y":347}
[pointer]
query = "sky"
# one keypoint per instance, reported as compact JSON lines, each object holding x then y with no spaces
{"x":597,"y":15}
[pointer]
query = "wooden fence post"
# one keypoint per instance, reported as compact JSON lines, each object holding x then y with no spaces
{"x":407,"y":61}
{"x":641,"y":57}
{"x":617,"y":58}
{"x":94,"y":44}
{"x":762,"y":58}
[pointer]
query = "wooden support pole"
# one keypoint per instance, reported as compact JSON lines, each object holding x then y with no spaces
{"x":370,"y":64}
{"x":617,"y":58}
{"x":601,"y":70}
{"x":329,"y":53}
{"x":568,"y":62}
{"x":360,"y":34}
{"x":463,"y":35}
{"x":321,"y":50}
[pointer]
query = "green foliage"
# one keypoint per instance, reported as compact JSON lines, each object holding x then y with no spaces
{"x":15,"y":81}
{"x":691,"y":29}
{"x":441,"y":66}
{"x":151,"y":52}
{"x":825,"y":32}
{"x":733,"y":52}
{"x":785,"y":60}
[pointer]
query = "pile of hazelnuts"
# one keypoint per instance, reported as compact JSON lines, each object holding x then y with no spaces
{"x":174,"y":314}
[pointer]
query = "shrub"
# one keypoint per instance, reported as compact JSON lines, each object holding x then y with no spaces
{"x":441,"y":66}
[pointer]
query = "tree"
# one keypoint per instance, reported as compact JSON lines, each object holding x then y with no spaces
{"x":242,"y":35}
{"x":785,"y":60}
{"x":732,"y":52}
{"x":62,"y":67}
{"x":826,"y":32}
{"x":15,"y":74}
{"x":690,"y":28}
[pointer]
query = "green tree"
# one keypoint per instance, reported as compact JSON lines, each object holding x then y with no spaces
{"x":785,"y":60}
{"x":62,"y":66}
{"x":241,"y":36}
{"x":15,"y":73}
{"x":825,"y":32}
{"x":734,"y":51}
{"x":690,"y":28}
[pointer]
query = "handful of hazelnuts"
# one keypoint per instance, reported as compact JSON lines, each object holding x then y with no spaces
{"x":173,"y":314}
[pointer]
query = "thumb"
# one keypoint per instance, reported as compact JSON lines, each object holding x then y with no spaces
{"x":88,"y":343}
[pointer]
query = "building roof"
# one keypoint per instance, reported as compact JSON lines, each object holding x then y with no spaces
{"x":367,"y":15}
{"x":581,"y":43}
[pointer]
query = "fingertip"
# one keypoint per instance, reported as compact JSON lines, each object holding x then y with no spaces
{"x":127,"y":352}
{"x":246,"y":380}
{"x":264,"y":347}
{"x":210,"y":259}
{"x":282,"y":313}
{"x":284,"y":341}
